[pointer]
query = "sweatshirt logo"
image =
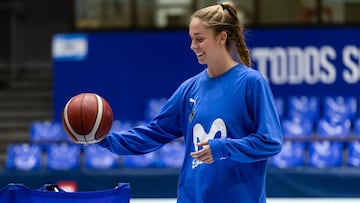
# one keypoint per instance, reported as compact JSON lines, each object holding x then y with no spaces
{"x":193,"y":105}
{"x":193,"y":101}
{"x":217,"y":130}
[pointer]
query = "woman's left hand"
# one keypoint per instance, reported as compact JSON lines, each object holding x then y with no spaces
{"x":204,"y":154}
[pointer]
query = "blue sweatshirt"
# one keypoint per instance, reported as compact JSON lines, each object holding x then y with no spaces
{"x":235,"y":112}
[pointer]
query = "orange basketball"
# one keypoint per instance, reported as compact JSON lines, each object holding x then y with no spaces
{"x":87,"y":118}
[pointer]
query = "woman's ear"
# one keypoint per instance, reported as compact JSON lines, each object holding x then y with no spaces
{"x":223,"y":37}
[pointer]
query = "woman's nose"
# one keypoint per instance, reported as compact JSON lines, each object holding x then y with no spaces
{"x":193,"y":45}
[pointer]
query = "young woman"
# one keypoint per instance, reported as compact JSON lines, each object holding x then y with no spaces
{"x":226,"y":115}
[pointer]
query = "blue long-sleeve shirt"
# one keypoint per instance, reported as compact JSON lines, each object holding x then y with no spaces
{"x":235,"y":112}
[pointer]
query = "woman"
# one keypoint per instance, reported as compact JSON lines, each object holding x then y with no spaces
{"x":226,"y":115}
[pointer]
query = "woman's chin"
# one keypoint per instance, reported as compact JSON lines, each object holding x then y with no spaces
{"x":201,"y":61}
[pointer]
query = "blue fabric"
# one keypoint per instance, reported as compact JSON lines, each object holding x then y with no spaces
{"x":18,"y":193}
{"x":236,"y":113}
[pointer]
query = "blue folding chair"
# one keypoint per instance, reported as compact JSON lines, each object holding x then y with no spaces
{"x":353,"y":158}
{"x":297,"y":128}
{"x":152,"y":107}
{"x":47,"y":131}
{"x":304,"y":107}
{"x":96,"y":157}
{"x":24,"y":156}
{"x":325,"y":154}
{"x":172,"y":154}
{"x":149,"y":160}
{"x":119,"y":125}
{"x":329,"y":153}
{"x":63,"y":156}
{"x":280,"y":106}
{"x":291,"y":155}
{"x":339,"y":107}
{"x":293,"y":151}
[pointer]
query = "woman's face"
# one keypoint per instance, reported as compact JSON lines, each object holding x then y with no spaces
{"x":203,"y":42}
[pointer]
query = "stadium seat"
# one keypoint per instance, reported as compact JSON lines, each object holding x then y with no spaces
{"x":47,"y":131}
{"x":304,"y":107}
{"x":333,"y":128}
{"x":295,"y":127}
{"x":353,"y":158}
{"x":152,"y":107}
{"x":24,"y":156}
{"x":357,"y":127}
{"x":96,"y":157}
{"x":172,"y":154}
{"x":149,"y":160}
{"x":280,"y":106}
{"x":329,"y":153}
{"x":291,"y":155}
{"x":119,"y":125}
{"x":339,"y":107}
{"x":353,"y":154}
{"x":63,"y":156}
{"x":293,"y":151}
{"x":325,"y":154}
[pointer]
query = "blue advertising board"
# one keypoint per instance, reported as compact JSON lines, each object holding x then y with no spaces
{"x":128,"y":68}
{"x":310,"y":61}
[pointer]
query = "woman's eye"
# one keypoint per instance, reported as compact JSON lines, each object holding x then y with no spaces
{"x":199,"y":39}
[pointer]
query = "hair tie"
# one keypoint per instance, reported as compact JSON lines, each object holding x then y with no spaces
{"x":227,"y":10}
{"x":222,"y":6}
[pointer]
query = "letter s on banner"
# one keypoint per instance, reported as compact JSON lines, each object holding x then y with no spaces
{"x":329,"y":75}
{"x":351,"y":73}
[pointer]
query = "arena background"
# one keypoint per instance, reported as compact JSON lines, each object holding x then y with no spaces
{"x":135,"y":53}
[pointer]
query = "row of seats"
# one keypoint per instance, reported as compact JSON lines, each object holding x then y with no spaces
{"x":331,"y":145}
{"x":319,"y":134}
{"x":324,"y":143}
{"x":319,"y":154}
{"x":68,"y":156}
{"x":314,"y":107}
{"x":319,"y":131}
{"x":53,"y":131}
{"x":307,"y":109}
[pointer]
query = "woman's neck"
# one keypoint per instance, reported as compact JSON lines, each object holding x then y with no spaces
{"x":215,"y":70}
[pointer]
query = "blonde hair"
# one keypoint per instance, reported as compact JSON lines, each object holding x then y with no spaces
{"x":224,"y":17}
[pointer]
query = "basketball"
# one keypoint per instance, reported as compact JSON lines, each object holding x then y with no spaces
{"x":87,"y":118}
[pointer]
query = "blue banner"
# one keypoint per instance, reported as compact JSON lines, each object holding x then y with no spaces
{"x":130,"y":68}
{"x":309,"y":61}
